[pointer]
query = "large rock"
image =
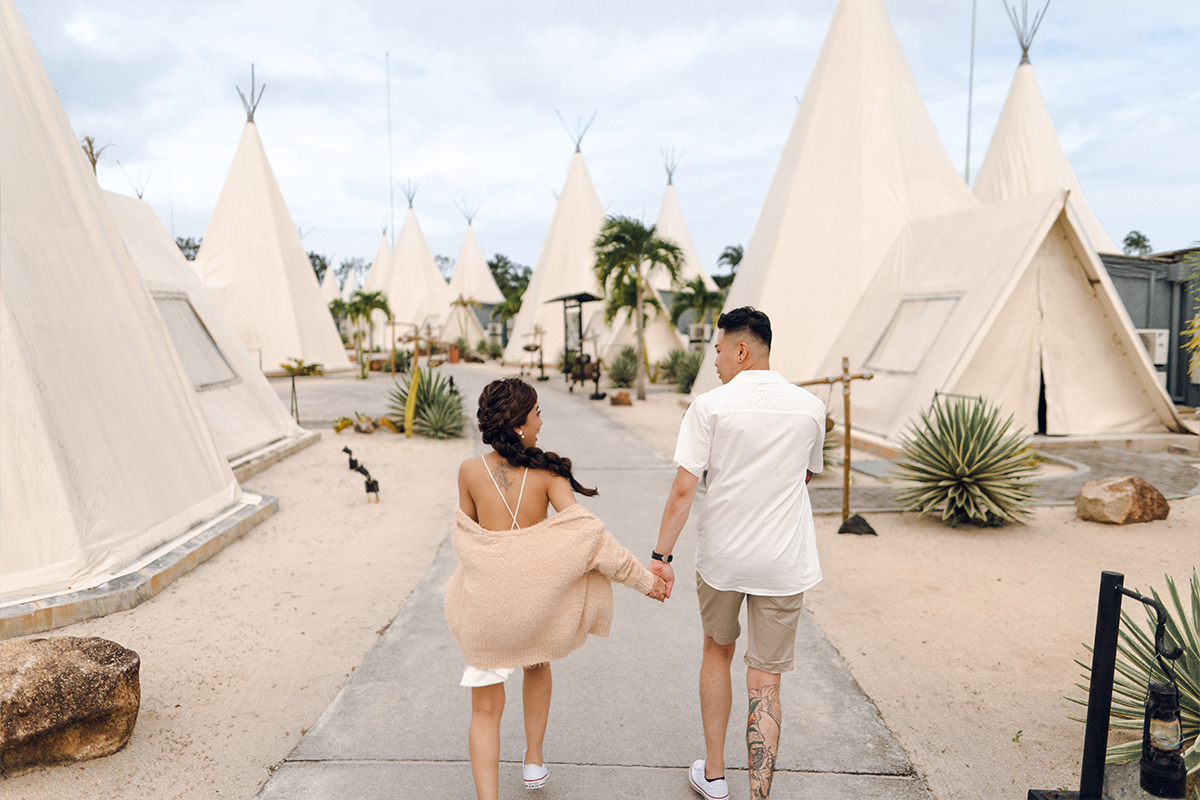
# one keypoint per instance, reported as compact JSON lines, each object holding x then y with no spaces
{"x":1120,"y":501}
{"x":65,"y":699}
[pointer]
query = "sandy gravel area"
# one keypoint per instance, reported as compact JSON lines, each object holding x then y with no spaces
{"x":243,"y":654}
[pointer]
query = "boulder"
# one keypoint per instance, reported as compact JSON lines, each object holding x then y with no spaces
{"x":65,"y":699}
{"x":1120,"y":501}
{"x":621,"y":399}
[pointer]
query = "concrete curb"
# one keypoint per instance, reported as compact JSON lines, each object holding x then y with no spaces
{"x":257,"y":461}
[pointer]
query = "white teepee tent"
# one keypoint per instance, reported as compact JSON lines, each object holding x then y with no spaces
{"x":1007,"y":301}
{"x":862,"y":157}
{"x":415,"y":289}
{"x":565,"y":266}
{"x":253,"y":264}
{"x":1025,"y":157}
{"x":472,"y":279}
{"x":242,"y":409}
{"x":105,"y":453}
{"x":330,"y":290}
{"x":351,"y":284}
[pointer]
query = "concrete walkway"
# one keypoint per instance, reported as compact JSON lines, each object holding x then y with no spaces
{"x":625,"y":718}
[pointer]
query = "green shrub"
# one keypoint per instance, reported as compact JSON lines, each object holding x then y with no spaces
{"x":298,"y":367}
{"x":464,"y":347}
{"x":1136,"y":662}
{"x":432,"y":385}
{"x":964,"y":460}
{"x":495,"y":351}
{"x":403,"y":361}
{"x":566,"y":360}
{"x":441,"y":418}
{"x":482,"y":347}
{"x":622,"y":372}
{"x":686,"y":371}
{"x":668,"y":368}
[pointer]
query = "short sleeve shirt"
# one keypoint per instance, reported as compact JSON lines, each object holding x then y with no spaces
{"x":756,"y":436}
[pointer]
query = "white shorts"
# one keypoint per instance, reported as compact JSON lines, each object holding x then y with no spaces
{"x":474,"y":678}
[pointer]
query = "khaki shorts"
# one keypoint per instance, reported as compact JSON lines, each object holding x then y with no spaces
{"x":772,"y":622}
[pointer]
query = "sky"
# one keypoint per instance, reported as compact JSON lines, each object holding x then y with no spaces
{"x":475,"y":87}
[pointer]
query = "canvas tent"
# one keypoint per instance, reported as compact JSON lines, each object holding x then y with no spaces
{"x":415,"y":288}
{"x":351,"y":284}
{"x":862,"y":157}
{"x":564,"y":267}
{"x":1009,"y":302}
{"x":473,"y":293}
{"x":242,"y":409}
{"x":106,"y":454}
{"x":253,"y":264}
{"x":330,"y":290}
{"x":1025,"y":157}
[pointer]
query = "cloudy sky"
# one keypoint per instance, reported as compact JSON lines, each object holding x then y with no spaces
{"x":475,"y":87}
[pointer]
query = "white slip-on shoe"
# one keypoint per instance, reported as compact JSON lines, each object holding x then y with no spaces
{"x":535,"y":775}
{"x":711,"y":790}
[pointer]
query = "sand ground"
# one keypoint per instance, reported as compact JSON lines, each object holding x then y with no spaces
{"x":963,"y":638}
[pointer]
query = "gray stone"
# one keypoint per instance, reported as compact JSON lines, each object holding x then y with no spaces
{"x":65,"y":699}
{"x":1121,"y":501}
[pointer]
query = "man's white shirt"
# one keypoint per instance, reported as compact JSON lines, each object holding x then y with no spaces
{"x":756,"y":436}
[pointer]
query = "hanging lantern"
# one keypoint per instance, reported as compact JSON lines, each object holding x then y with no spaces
{"x":1162,"y":770}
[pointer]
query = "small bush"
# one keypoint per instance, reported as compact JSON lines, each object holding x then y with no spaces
{"x":622,"y":372}
{"x":441,"y":418}
{"x":403,"y":361}
{"x":495,"y":351}
{"x":686,"y":372}
{"x":964,"y":460}
{"x":431,"y":386}
{"x":668,"y":368}
{"x":464,"y":347}
{"x":567,"y":360}
{"x":298,"y":367}
{"x":482,"y":347}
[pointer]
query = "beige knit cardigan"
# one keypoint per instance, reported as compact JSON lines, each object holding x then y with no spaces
{"x":530,"y":595}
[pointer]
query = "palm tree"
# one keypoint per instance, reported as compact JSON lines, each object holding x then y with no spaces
{"x":627,"y":252}
{"x":1137,"y":244}
{"x":730,"y":257}
{"x":696,"y":296}
{"x":361,"y":307}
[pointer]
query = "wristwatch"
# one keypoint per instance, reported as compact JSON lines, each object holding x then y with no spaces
{"x":657,"y":556}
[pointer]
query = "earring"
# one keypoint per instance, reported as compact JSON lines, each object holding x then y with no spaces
{"x":521,"y":434}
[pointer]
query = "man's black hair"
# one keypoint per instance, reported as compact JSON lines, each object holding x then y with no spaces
{"x":746,"y":320}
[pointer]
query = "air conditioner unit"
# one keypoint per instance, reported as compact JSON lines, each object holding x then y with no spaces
{"x":495,"y":331}
{"x":1156,"y":341}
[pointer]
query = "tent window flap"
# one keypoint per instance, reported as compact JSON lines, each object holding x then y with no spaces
{"x":911,"y":333}
{"x":202,"y":359}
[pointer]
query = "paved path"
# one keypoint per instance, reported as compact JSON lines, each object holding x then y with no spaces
{"x":625,"y":718}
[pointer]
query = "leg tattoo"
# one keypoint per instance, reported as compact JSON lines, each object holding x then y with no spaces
{"x":762,"y":739}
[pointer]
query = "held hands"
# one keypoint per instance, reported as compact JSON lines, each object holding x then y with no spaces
{"x":665,"y":579}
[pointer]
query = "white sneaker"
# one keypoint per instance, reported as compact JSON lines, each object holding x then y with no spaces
{"x":711,"y":790}
{"x":535,"y":775}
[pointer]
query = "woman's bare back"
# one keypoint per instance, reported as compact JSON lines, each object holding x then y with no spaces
{"x":479,"y":499}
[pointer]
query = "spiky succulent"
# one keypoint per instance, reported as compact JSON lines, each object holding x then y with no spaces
{"x":623,"y":370}
{"x":687,"y":370}
{"x":430,"y":385}
{"x":441,"y":418}
{"x":963,"y":459}
{"x":1135,"y":662}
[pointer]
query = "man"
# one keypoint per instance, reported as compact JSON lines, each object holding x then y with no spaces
{"x":760,"y":439}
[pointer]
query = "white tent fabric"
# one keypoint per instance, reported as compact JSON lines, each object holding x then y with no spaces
{"x":472,"y":278}
{"x":988,"y":302}
{"x":565,"y":266}
{"x":1025,"y":157}
{"x":253,"y":264}
{"x":415,"y":289}
{"x":352,"y":285}
{"x":330,"y":290}
{"x":242,"y":409}
{"x":671,"y":225}
{"x":862,"y":157}
{"x":105,"y":453}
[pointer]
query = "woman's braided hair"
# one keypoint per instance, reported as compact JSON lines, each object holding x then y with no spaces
{"x":504,"y":405}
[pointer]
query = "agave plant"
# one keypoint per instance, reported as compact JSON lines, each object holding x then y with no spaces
{"x":431,"y":384}
{"x":1136,"y":665}
{"x":964,"y":460}
{"x":669,"y":367}
{"x":441,"y":418}
{"x":623,"y":370}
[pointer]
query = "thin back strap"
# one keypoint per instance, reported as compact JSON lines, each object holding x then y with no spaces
{"x":511,"y":511}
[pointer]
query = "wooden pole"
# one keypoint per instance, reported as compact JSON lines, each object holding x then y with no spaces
{"x":846,"y":462}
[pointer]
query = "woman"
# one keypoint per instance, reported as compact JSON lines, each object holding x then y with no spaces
{"x":528,"y":589}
